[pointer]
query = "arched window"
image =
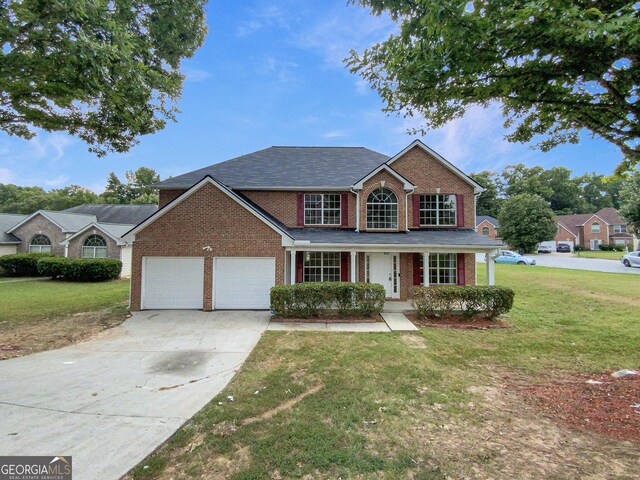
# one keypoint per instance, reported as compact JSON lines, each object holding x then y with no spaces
{"x":595,"y":227}
{"x":485,"y":230}
{"x":382,"y":209}
{"x":94,"y":246}
{"x":40,"y":244}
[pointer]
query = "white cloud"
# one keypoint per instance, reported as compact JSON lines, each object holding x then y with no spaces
{"x":57,"y":181}
{"x":195,"y":74}
{"x":6,"y":176}
{"x":280,"y":69}
{"x":263,"y":15}
{"x":334,"y":134}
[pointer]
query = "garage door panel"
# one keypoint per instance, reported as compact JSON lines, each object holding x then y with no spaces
{"x":243,"y":282}
{"x":173,"y":283}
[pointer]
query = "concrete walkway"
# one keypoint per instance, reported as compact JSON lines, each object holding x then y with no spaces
{"x":398,"y":322}
{"x":111,"y":401}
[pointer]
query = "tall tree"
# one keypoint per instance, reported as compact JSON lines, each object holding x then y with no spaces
{"x":566,"y":193}
{"x":630,"y":201}
{"x":488,"y":201}
{"x":525,"y":221}
{"x":115,"y":191}
{"x":517,"y":179}
{"x":67,"y":197}
{"x":594,"y":191}
{"x":137,"y":188}
{"x":106,"y":71}
{"x":555,"y":67}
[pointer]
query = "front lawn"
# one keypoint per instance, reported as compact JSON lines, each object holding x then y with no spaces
{"x":40,"y":315}
{"x":600,"y":254}
{"x":435,"y":404}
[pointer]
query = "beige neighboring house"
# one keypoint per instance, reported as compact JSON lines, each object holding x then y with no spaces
{"x":85,"y":231}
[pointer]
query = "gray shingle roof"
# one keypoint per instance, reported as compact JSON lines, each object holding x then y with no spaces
{"x":7,"y":221}
{"x":110,"y":213}
{"x":492,"y":220}
{"x":288,"y":167}
{"x":442,"y":237}
{"x":70,"y":222}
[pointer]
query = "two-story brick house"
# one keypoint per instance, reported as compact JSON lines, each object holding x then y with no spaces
{"x":225,"y":234}
{"x":605,"y":227}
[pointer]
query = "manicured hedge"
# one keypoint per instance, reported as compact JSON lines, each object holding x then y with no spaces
{"x":611,"y":248}
{"x":80,"y":269}
{"x":312,"y":299}
{"x":22,"y":264}
{"x":469,"y":301}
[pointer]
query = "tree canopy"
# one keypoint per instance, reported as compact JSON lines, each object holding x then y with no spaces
{"x":555,"y":67}
{"x":104,"y":71}
{"x":525,"y":221}
{"x":630,"y":201}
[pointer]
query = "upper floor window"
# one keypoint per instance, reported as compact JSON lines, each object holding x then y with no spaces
{"x":437,"y":210}
{"x":595,"y":227}
{"x":322,"y":209}
{"x":40,"y":244}
{"x":94,"y":246}
{"x":485,"y":230}
{"x":619,"y":229}
{"x":382,"y":209}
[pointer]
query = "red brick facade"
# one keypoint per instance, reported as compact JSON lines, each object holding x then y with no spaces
{"x":210,"y":218}
{"x":485,"y":226}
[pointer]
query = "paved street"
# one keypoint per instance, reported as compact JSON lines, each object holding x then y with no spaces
{"x":561,"y":260}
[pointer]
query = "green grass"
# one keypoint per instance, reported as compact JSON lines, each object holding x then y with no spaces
{"x":385,"y":398}
{"x":32,"y":301}
{"x":601,"y":254}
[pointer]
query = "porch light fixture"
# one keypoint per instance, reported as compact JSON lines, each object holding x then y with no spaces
{"x":438,"y":190}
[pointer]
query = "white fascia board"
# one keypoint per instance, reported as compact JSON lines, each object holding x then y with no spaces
{"x":130,"y":235}
{"x":277,"y":188}
{"x":417,"y":143}
{"x":344,"y":247}
{"x":565,"y":227}
{"x":359,"y":185}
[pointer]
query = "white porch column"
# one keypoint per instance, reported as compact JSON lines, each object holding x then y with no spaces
{"x":354,"y":259}
{"x":425,"y":269}
{"x":491,"y":276}
{"x":292,"y":262}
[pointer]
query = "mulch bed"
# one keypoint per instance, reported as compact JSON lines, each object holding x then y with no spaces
{"x":328,"y":319}
{"x":457,"y":321}
{"x":606,"y":408}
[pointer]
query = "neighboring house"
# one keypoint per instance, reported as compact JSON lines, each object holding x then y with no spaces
{"x":225,"y":234}
{"x":605,"y":226}
{"x":487,"y":225}
{"x":85,"y":231}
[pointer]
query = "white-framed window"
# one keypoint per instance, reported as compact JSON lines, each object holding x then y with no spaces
{"x":94,"y":246}
{"x":443,"y":269}
{"x":619,"y":241}
{"x":321,"y":267}
{"x":437,"y":210}
{"x":485,"y":230}
{"x":322,"y":209}
{"x":619,"y":229}
{"x":40,"y":244}
{"x":382,"y":209}
{"x":595,"y":227}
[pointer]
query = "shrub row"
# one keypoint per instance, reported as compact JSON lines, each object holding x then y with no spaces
{"x":469,"y":301}
{"x":80,"y":269}
{"x":22,"y":264}
{"x":612,"y":248}
{"x":312,"y":299}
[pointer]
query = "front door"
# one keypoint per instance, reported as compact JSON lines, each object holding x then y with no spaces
{"x":595,"y":244}
{"x":383,"y":268}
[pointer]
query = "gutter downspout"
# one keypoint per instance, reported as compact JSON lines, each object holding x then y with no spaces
{"x":357,"y":208}
{"x":406,"y":209}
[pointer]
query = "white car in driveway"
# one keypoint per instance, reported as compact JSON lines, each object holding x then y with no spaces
{"x":631,"y":259}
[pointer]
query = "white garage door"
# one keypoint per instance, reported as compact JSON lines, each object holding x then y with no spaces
{"x":243,"y":282}
{"x":172,"y":282}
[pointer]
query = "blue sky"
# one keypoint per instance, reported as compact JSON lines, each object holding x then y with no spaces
{"x":271,"y":73}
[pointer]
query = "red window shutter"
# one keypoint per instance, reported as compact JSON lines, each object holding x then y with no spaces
{"x":460,"y":210}
{"x":461,"y":269}
{"x":344,"y":210}
{"x":300,"y":216}
{"x":417,"y":277}
{"x":416,"y":210}
{"x":344,"y":267}
{"x":299,"y":267}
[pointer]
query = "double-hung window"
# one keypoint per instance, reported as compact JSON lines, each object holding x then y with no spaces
{"x":321,"y":267}
{"x":619,"y":229}
{"x":443,"y":269}
{"x":322,"y":209}
{"x":595,"y":227}
{"x":438,"y":210}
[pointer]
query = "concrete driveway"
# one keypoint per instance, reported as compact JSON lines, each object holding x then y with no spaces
{"x":567,"y":260}
{"x":110,"y":401}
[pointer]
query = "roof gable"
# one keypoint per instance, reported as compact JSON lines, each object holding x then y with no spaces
{"x":113,"y":231}
{"x":359,"y":185}
{"x":8,"y":221}
{"x":230,"y":193}
{"x":66,"y":222}
{"x":419,"y":144}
